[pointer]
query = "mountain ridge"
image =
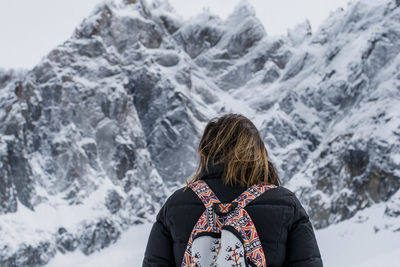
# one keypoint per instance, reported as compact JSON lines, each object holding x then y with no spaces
{"x":108,"y":121}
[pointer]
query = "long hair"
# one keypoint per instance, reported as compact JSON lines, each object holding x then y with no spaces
{"x":233,"y":141}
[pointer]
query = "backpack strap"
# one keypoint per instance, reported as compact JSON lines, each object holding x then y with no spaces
{"x":207,"y":196}
{"x":204,"y":192}
{"x":252,"y":193}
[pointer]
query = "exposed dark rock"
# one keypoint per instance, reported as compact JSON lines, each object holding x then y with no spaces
{"x":271,"y":74}
{"x":356,"y":161}
{"x":167,"y":59}
{"x":91,"y":153}
{"x":282,"y":130}
{"x":377,"y":185}
{"x":17,"y":179}
{"x":43,"y":71}
{"x":392,"y":209}
{"x":184,"y":77}
{"x":91,"y":49}
{"x":286,"y":104}
{"x":29,"y":255}
{"x":169,"y":24}
{"x":9,"y":76}
{"x":382,"y":48}
{"x":125,"y":157}
{"x":65,"y":241}
{"x":113,"y":201}
{"x":196,"y":38}
{"x":98,"y":236}
{"x":167,"y":128}
{"x":247,"y":29}
{"x":249,"y":33}
{"x":296,"y":65}
{"x":128,"y":2}
{"x":8,"y":195}
{"x":331,"y":53}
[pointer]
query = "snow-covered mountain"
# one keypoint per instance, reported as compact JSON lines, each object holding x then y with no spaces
{"x":95,"y":136}
{"x":9,"y":75}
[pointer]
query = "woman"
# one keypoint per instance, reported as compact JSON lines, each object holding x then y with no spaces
{"x":232,"y":158}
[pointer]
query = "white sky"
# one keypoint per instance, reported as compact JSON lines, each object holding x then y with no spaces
{"x":30,"y":29}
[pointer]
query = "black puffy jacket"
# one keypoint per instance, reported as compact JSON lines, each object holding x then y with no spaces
{"x":282,"y":224}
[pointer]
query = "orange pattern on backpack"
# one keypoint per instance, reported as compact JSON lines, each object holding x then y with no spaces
{"x":236,"y":217}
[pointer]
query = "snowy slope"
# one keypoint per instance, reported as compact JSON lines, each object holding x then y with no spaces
{"x":126,"y":252}
{"x":367,"y":240}
{"x":95,"y":136}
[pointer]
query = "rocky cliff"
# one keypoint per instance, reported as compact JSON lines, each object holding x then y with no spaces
{"x":94,"y":136}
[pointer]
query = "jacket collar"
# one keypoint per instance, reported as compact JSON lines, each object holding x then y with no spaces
{"x":214,"y":171}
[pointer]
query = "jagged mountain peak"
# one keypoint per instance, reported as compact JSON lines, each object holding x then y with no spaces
{"x":300,"y":33}
{"x":242,"y":10}
{"x":358,"y":16}
{"x":136,"y":22}
{"x":109,"y":119}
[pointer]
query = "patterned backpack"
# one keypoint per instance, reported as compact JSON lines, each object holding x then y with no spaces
{"x":225,"y":235}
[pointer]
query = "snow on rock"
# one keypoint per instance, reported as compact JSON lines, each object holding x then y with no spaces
{"x":300,"y":33}
{"x":96,"y":135}
{"x":126,"y":252}
{"x":8,"y":75}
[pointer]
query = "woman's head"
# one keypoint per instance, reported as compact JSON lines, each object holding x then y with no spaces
{"x":233,"y":141}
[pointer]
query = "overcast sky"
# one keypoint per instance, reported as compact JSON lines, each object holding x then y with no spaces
{"x":30,"y":29}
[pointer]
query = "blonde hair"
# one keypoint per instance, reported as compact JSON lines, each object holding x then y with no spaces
{"x":233,"y":141}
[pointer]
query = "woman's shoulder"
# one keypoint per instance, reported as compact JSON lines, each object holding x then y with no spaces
{"x":182,"y":196}
{"x":289,"y":194}
{"x":279,"y":195}
{"x":285,"y":192}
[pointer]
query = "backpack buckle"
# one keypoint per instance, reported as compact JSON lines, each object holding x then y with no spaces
{"x":224,"y":209}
